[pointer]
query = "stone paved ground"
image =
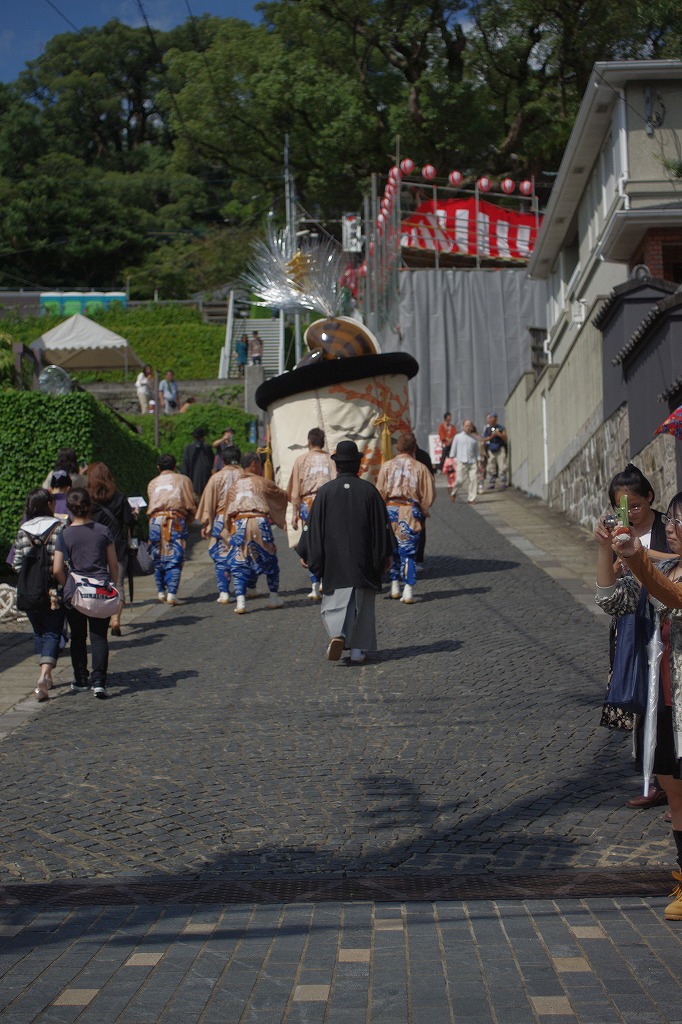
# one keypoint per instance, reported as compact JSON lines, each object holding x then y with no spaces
{"x":231,"y":747}
{"x":231,"y":751}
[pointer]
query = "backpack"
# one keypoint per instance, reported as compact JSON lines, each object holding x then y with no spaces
{"x":34,"y":575}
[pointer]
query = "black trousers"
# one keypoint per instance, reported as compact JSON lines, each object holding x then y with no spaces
{"x":98,"y":628}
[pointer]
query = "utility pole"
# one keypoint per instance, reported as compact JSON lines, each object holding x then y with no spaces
{"x":292,"y":240}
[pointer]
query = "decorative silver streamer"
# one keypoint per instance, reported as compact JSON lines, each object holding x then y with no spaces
{"x":291,"y":276}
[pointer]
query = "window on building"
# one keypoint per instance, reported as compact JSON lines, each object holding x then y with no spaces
{"x":538,"y":356}
{"x":570,"y":255}
{"x":672,"y":263}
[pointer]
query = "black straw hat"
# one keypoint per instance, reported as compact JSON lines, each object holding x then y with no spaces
{"x":347,"y":451}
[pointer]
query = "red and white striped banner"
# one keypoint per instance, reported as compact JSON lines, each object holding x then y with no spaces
{"x":451,"y":226}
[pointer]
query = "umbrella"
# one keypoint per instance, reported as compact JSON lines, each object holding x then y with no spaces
{"x":672,"y":424}
{"x":654,"y":651}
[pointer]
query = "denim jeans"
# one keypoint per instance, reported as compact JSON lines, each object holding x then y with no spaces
{"x":47,"y":627}
{"x":99,"y":644}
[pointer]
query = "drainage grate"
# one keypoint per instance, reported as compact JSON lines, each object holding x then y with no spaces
{"x":554,"y":885}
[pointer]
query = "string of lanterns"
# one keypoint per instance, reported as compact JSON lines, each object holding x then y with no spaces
{"x":428,"y":172}
{"x":455,"y":178}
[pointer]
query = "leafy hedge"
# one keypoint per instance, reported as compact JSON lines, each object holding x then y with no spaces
{"x":176,"y":431}
{"x":34,"y":426}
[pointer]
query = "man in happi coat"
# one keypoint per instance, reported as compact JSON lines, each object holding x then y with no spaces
{"x":212,"y":513}
{"x":407,"y":488}
{"x":171,"y":509}
{"x":253,"y":504}
{"x":348,"y":543}
{"x":312,"y":470}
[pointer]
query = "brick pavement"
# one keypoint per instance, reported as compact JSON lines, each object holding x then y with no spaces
{"x":231,"y":750}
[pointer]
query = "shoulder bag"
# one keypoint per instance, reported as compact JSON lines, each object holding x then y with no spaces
{"x":98,"y":599}
{"x":629,"y":684}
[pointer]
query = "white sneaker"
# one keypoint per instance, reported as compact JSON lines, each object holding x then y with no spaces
{"x":241,"y":605}
{"x":162,"y":596}
{"x":223,"y":597}
{"x":395,"y":589}
{"x":408,"y":596}
{"x":314,"y":594}
{"x":173,"y":599}
{"x":275,"y":600}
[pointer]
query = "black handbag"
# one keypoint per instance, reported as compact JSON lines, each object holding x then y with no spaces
{"x":140,"y":559}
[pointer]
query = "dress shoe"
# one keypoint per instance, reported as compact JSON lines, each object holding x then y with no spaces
{"x":656,"y":798}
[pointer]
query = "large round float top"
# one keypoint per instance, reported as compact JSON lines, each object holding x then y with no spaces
{"x":326,"y":372}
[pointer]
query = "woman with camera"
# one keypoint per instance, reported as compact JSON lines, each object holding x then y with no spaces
{"x":619,"y":595}
{"x":646,"y":523}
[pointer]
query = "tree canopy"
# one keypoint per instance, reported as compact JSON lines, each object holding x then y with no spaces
{"x":156,"y":156}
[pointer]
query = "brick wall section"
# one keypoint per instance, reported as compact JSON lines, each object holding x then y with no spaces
{"x":650,"y":251}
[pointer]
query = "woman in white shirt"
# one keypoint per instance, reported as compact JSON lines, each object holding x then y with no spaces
{"x":143,"y":386}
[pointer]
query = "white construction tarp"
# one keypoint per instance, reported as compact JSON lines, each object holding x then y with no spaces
{"x":82,"y":344}
{"x":469,"y":330}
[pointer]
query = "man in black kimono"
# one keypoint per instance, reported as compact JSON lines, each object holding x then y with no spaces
{"x":197,"y":461}
{"x":348,"y":542}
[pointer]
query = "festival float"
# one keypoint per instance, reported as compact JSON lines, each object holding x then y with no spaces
{"x":344,"y":384}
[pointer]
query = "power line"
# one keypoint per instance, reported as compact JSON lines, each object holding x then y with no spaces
{"x":62,"y":15}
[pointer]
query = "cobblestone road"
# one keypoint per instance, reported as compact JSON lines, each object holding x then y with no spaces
{"x":248,"y":834}
{"x":231,"y":749}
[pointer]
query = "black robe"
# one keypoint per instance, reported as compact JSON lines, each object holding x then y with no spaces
{"x":197,"y":464}
{"x":348,"y":537}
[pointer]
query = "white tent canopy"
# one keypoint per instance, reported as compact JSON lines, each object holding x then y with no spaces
{"x":81,"y":344}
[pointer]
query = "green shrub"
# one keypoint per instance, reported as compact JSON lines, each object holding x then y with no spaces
{"x":175,"y":432}
{"x":32,"y":429}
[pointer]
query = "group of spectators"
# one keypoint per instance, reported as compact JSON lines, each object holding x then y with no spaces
{"x":639,"y":583}
{"x":77,"y":522}
{"x":167,"y":396}
{"x":473,"y":461}
{"x":248,"y":350}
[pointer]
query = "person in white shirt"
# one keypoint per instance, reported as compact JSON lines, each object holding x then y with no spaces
{"x":464,"y":450}
{"x":144,"y":385}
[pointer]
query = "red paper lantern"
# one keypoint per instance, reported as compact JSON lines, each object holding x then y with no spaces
{"x":526,"y":188}
{"x":407,"y":165}
{"x":395,"y":174}
{"x":508,"y":186}
{"x":428,"y":172}
{"x":484,"y":184}
{"x":363,"y":270}
{"x":380,"y":219}
{"x":455,"y":178}
{"x":371,"y":251}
